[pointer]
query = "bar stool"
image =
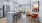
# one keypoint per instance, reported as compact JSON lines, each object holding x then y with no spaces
{"x":18,"y":15}
{"x":35,"y":17}
{"x":29,"y":16}
{"x":15,"y":17}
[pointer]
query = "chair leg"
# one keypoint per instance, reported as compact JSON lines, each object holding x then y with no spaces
{"x":38,"y":21}
{"x":31,"y":21}
{"x":35,"y":21}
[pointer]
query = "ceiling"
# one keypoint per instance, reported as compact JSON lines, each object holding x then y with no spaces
{"x":21,"y":2}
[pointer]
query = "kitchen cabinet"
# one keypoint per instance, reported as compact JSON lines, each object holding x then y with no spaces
{"x":1,"y":14}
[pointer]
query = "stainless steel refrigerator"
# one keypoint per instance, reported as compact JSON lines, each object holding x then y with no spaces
{"x":6,"y":8}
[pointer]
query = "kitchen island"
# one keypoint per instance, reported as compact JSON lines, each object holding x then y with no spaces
{"x":11,"y":16}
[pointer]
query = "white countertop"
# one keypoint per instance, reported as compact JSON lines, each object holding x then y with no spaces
{"x":13,"y":12}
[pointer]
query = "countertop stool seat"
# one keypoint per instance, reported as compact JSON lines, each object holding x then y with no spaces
{"x":15,"y":18}
{"x":19,"y":15}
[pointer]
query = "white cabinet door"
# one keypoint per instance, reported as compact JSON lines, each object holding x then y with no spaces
{"x":1,"y":14}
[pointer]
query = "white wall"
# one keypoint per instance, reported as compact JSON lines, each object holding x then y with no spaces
{"x":40,"y":7}
{"x":22,"y":2}
{"x":5,"y":3}
{"x":13,"y":7}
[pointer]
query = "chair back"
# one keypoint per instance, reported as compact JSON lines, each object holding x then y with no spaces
{"x":35,"y":16}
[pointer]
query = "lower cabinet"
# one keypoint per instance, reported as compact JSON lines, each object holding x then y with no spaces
{"x":12,"y":17}
{"x":1,"y":14}
{"x":9,"y":17}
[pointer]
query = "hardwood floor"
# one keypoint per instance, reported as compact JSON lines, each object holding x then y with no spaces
{"x":3,"y":20}
{"x":23,"y":19}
